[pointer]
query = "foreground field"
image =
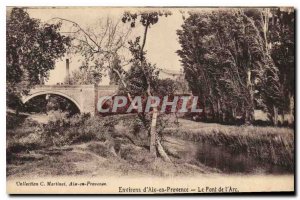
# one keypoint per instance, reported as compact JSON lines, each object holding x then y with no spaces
{"x":93,"y":159}
{"x":97,"y":147}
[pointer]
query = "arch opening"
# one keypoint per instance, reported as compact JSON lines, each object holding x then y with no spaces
{"x":43,"y":102}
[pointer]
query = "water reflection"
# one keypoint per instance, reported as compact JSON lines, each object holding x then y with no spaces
{"x":235,"y":162}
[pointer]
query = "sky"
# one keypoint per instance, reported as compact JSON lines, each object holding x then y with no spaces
{"x":162,"y":41}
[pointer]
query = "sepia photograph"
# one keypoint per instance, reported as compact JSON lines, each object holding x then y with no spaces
{"x":150,"y":100}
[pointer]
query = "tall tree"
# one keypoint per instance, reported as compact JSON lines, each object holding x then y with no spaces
{"x":146,"y":19}
{"x":31,"y":50}
{"x":282,"y":44}
{"x":104,"y":46}
{"x":100,"y":47}
{"x":227,"y":60}
{"x":213,"y":49}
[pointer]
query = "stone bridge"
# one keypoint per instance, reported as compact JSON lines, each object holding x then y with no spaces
{"x":85,"y":97}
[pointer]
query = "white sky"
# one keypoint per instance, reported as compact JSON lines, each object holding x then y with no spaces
{"x":162,"y":42}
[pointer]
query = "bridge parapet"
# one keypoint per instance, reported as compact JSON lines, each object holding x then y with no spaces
{"x":101,"y":87}
{"x":85,"y":97}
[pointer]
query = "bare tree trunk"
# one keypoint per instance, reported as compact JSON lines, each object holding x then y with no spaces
{"x":162,"y":152}
{"x":153,"y":134}
{"x":291,"y":109}
{"x":213,"y":110}
{"x":234,"y":114}
{"x":275,"y":117}
{"x":249,"y":116}
{"x":218,"y":111}
{"x":123,"y":83}
{"x":250,"y":110}
{"x":204,"y":111}
{"x":282,"y":115}
{"x":265,"y":19}
{"x":223,"y":117}
{"x":154,"y":141}
{"x":96,"y":98}
{"x":17,"y":111}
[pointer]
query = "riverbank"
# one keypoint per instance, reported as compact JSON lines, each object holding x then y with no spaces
{"x":272,"y":146}
{"x":106,"y":146}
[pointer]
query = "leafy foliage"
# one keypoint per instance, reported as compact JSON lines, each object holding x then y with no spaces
{"x":227,"y":61}
{"x":62,"y":130}
{"x":31,"y":51}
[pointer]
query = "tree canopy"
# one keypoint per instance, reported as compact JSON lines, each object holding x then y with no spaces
{"x":233,"y":59}
{"x":31,"y":50}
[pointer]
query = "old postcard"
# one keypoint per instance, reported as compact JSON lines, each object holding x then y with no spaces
{"x":140,"y":100}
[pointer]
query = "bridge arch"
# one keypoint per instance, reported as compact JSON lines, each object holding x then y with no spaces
{"x":27,"y":98}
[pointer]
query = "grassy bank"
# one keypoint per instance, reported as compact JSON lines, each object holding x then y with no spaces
{"x":88,"y":146}
{"x":266,"y":144}
{"x":59,"y":131}
{"x":114,"y":138}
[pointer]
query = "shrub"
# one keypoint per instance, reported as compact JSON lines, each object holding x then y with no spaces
{"x":13,"y":120}
{"x":78,"y":128}
{"x":139,"y":125}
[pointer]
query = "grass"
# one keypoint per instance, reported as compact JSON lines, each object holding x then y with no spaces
{"x":267,"y":144}
{"x":105,"y":138}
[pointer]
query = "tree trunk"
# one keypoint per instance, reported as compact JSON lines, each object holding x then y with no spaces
{"x":275,"y":117}
{"x":204,"y":111}
{"x":162,"y":152}
{"x":291,"y":109}
{"x":249,"y":117}
{"x":213,"y":111}
{"x":96,"y":96}
{"x":154,"y":142}
{"x":204,"y":114}
{"x":250,"y":106}
{"x":154,"y":139}
{"x":17,"y":111}
{"x":282,"y":116}
{"x":224,"y":117}
{"x":219,"y":112}
{"x":153,"y":134}
{"x":233,"y":114}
